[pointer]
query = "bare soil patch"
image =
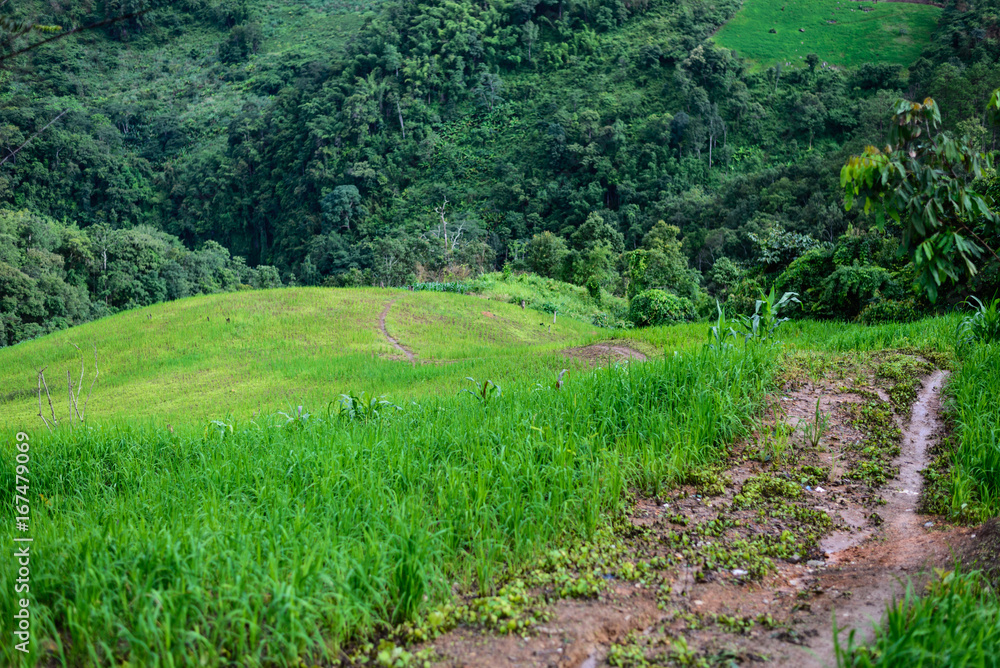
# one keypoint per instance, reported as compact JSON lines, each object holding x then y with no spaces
{"x":609,"y":352}
{"x":983,"y":550}
{"x":751,"y":561}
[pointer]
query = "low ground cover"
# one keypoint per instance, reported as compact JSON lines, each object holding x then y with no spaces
{"x":241,"y":353}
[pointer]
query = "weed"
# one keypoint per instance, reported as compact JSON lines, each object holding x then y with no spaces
{"x":360,"y":408}
{"x":486,"y":391}
{"x":757,"y":489}
{"x":814,"y":432}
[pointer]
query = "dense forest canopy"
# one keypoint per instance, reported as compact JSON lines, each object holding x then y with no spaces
{"x":608,"y":143}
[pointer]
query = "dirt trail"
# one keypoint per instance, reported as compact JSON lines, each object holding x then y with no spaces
{"x":874,"y":543}
{"x":393,"y":340}
{"x":904,"y":547}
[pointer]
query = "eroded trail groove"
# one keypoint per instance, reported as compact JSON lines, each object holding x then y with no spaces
{"x":389,"y":337}
{"x":748,"y":562}
{"x":875,"y":570}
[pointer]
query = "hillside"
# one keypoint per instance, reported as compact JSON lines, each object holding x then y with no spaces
{"x":488,"y":333}
{"x":390,"y":143}
{"x":843,"y":33}
{"x":236,"y":354}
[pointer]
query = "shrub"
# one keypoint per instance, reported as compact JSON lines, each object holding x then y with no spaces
{"x":849,"y":289}
{"x":889,"y":310}
{"x":459,"y":287}
{"x":656,"y":307}
{"x":594,"y":289}
{"x":743,"y":297}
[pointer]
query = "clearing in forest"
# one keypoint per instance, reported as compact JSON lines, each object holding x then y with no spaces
{"x":843,"y":33}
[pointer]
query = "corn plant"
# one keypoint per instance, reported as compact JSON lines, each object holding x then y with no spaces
{"x":485,"y":392}
{"x":766,"y":318}
{"x":981,"y":326}
{"x":721,"y":330}
{"x":364,"y":409}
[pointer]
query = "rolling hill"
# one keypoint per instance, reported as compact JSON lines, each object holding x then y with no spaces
{"x":269,"y":350}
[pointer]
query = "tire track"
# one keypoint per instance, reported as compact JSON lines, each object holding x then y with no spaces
{"x":393,"y":340}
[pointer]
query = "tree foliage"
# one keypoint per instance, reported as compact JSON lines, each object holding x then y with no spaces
{"x":923,"y":180}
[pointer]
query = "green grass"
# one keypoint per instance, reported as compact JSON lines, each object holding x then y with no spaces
{"x":548,"y":295}
{"x":956,"y":623}
{"x":975,"y":460}
{"x":241,"y":536}
{"x":298,"y":346}
{"x":889,"y":33}
{"x":267,"y":541}
{"x":931,"y":334}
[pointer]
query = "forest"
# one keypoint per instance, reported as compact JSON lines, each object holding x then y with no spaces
{"x":612,"y":144}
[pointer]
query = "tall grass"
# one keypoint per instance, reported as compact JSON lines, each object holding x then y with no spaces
{"x":956,"y":624}
{"x":936,"y":334}
{"x":975,"y":393}
{"x":267,"y":541}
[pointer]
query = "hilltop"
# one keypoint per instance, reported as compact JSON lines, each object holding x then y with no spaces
{"x":389,"y":143}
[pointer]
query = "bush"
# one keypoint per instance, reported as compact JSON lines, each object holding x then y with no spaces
{"x":889,"y":310}
{"x":656,"y":307}
{"x":850,"y":289}
{"x":743,"y":298}
{"x":459,"y":287}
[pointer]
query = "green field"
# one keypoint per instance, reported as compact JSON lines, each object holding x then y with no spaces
{"x":239,"y":535}
{"x":263,"y":540}
{"x":837,"y":31}
{"x":242,"y":353}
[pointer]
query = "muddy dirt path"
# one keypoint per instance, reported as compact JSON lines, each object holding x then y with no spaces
{"x":904,"y":548}
{"x":751,"y":562}
{"x":393,"y":340}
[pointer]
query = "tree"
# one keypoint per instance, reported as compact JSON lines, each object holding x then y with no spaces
{"x":15,"y":36}
{"x":546,"y":254}
{"x":342,"y":205}
{"x":529,"y":35}
{"x":923,"y":181}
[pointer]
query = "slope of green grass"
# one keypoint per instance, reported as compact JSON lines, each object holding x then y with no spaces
{"x":837,"y":31}
{"x":243,"y":352}
{"x":274,"y":542}
{"x":548,"y":295}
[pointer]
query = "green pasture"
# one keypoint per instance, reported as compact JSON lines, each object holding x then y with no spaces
{"x":263,"y":351}
{"x":838,"y":31}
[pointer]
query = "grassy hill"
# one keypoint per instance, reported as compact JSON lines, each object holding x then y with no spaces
{"x":841,"y":32}
{"x":268,"y":350}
